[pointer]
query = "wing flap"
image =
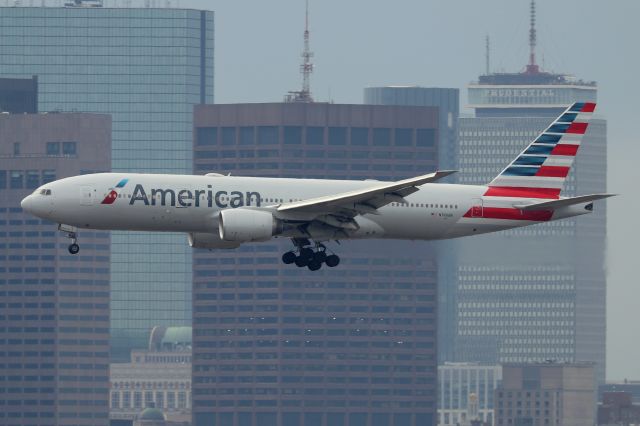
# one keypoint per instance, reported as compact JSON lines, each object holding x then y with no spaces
{"x":554,"y":204}
{"x":364,"y":200}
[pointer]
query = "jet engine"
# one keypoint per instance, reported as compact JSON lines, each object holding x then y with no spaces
{"x":245,"y":225}
{"x":210,"y":241}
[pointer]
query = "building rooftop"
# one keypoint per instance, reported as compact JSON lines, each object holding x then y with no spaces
{"x":532,"y":78}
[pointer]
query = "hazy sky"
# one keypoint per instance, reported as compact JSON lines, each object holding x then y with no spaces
{"x":359,"y":43}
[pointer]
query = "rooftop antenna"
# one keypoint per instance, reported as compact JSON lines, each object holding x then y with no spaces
{"x":306,"y":68}
{"x":487,"y":57}
{"x":532,"y":68}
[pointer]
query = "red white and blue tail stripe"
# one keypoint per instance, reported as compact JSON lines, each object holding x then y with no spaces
{"x":541,"y":169}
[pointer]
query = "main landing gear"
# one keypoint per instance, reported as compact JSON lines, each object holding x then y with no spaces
{"x":312,"y":258}
{"x":73,"y":248}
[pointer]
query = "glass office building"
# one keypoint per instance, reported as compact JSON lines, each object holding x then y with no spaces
{"x":276,"y":345}
{"x":536,"y":293}
{"x":147,"y":68}
{"x":447,"y":100}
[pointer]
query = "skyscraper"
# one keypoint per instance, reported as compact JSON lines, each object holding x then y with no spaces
{"x":348,"y":346}
{"x":447,"y":100}
{"x":54,"y":307}
{"x":147,"y":68}
{"x":536,"y":293}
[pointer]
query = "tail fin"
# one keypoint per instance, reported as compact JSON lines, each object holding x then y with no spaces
{"x":541,"y":169}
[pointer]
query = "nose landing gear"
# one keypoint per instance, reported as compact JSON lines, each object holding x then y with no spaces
{"x":73,"y":248}
{"x":311,"y":257}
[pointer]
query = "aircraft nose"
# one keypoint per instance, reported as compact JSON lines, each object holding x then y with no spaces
{"x":27,"y":203}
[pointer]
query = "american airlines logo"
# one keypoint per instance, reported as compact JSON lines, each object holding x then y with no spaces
{"x":196,"y":198}
{"x":113,"y":194}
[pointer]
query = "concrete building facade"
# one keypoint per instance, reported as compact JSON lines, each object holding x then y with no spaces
{"x":54,"y":307}
{"x":546,"y":394}
{"x":146,"y":67}
{"x":348,"y":346}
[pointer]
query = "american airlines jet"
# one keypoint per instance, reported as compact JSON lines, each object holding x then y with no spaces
{"x":223,"y":212}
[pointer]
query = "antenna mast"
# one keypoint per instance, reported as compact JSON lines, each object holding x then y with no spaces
{"x":532,"y":68}
{"x":487,"y":56}
{"x":306,"y":68}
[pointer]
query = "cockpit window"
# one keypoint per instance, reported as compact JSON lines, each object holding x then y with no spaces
{"x":45,"y":192}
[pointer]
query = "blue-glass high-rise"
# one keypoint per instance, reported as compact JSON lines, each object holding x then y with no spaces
{"x":147,"y":68}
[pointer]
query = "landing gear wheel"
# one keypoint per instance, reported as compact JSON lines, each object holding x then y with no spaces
{"x":314,"y":265}
{"x":320,"y":257}
{"x":332,"y":261}
{"x":306,"y":252}
{"x":289,"y":257}
{"x":74,"y":248}
{"x":301,"y":261}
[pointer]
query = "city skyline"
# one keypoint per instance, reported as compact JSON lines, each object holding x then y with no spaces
{"x":347,"y":61}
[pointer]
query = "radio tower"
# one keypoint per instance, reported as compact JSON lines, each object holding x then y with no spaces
{"x":532,"y":68}
{"x":306,"y":68}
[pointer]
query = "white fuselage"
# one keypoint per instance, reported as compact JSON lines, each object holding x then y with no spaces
{"x":192,"y":204}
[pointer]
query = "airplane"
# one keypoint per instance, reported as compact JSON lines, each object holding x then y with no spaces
{"x":223,"y":212}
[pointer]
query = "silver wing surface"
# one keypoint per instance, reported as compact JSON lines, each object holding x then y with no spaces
{"x":339,"y":209}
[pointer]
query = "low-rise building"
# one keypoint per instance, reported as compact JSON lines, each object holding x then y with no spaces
{"x":617,"y":408}
{"x":630,"y":386}
{"x":466,"y":392}
{"x":157,"y":378}
{"x":546,"y":394}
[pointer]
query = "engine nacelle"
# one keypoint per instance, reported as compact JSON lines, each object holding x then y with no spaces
{"x":205,"y":240}
{"x":245,"y":225}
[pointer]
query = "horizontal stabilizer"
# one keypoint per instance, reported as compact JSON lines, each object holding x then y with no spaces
{"x":555,"y":204}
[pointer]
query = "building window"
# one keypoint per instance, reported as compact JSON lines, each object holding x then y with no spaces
{"x":247,"y":136}
{"x":182,"y":400}
{"x":115,"y":399}
{"x":3,"y":179}
{"x":137,"y":399}
{"x":267,"y":135}
{"x":160,"y":399}
{"x":126,"y":399}
{"x":69,"y":148}
{"x":148,"y":398}
{"x":426,"y":137}
{"x":337,"y":135}
{"x":16,"y":148}
{"x":404,"y":137}
{"x":381,"y":137}
{"x":359,"y":136}
{"x":292,"y":135}
{"x":48,"y":176}
{"x":33,"y":179}
{"x":53,"y":148}
{"x":171,"y":400}
{"x":315,"y":135}
{"x":17,"y":179}
{"x":228,"y":136}
{"x":206,"y":136}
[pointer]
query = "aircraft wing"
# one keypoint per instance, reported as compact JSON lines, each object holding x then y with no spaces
{"x":362,"y":201}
